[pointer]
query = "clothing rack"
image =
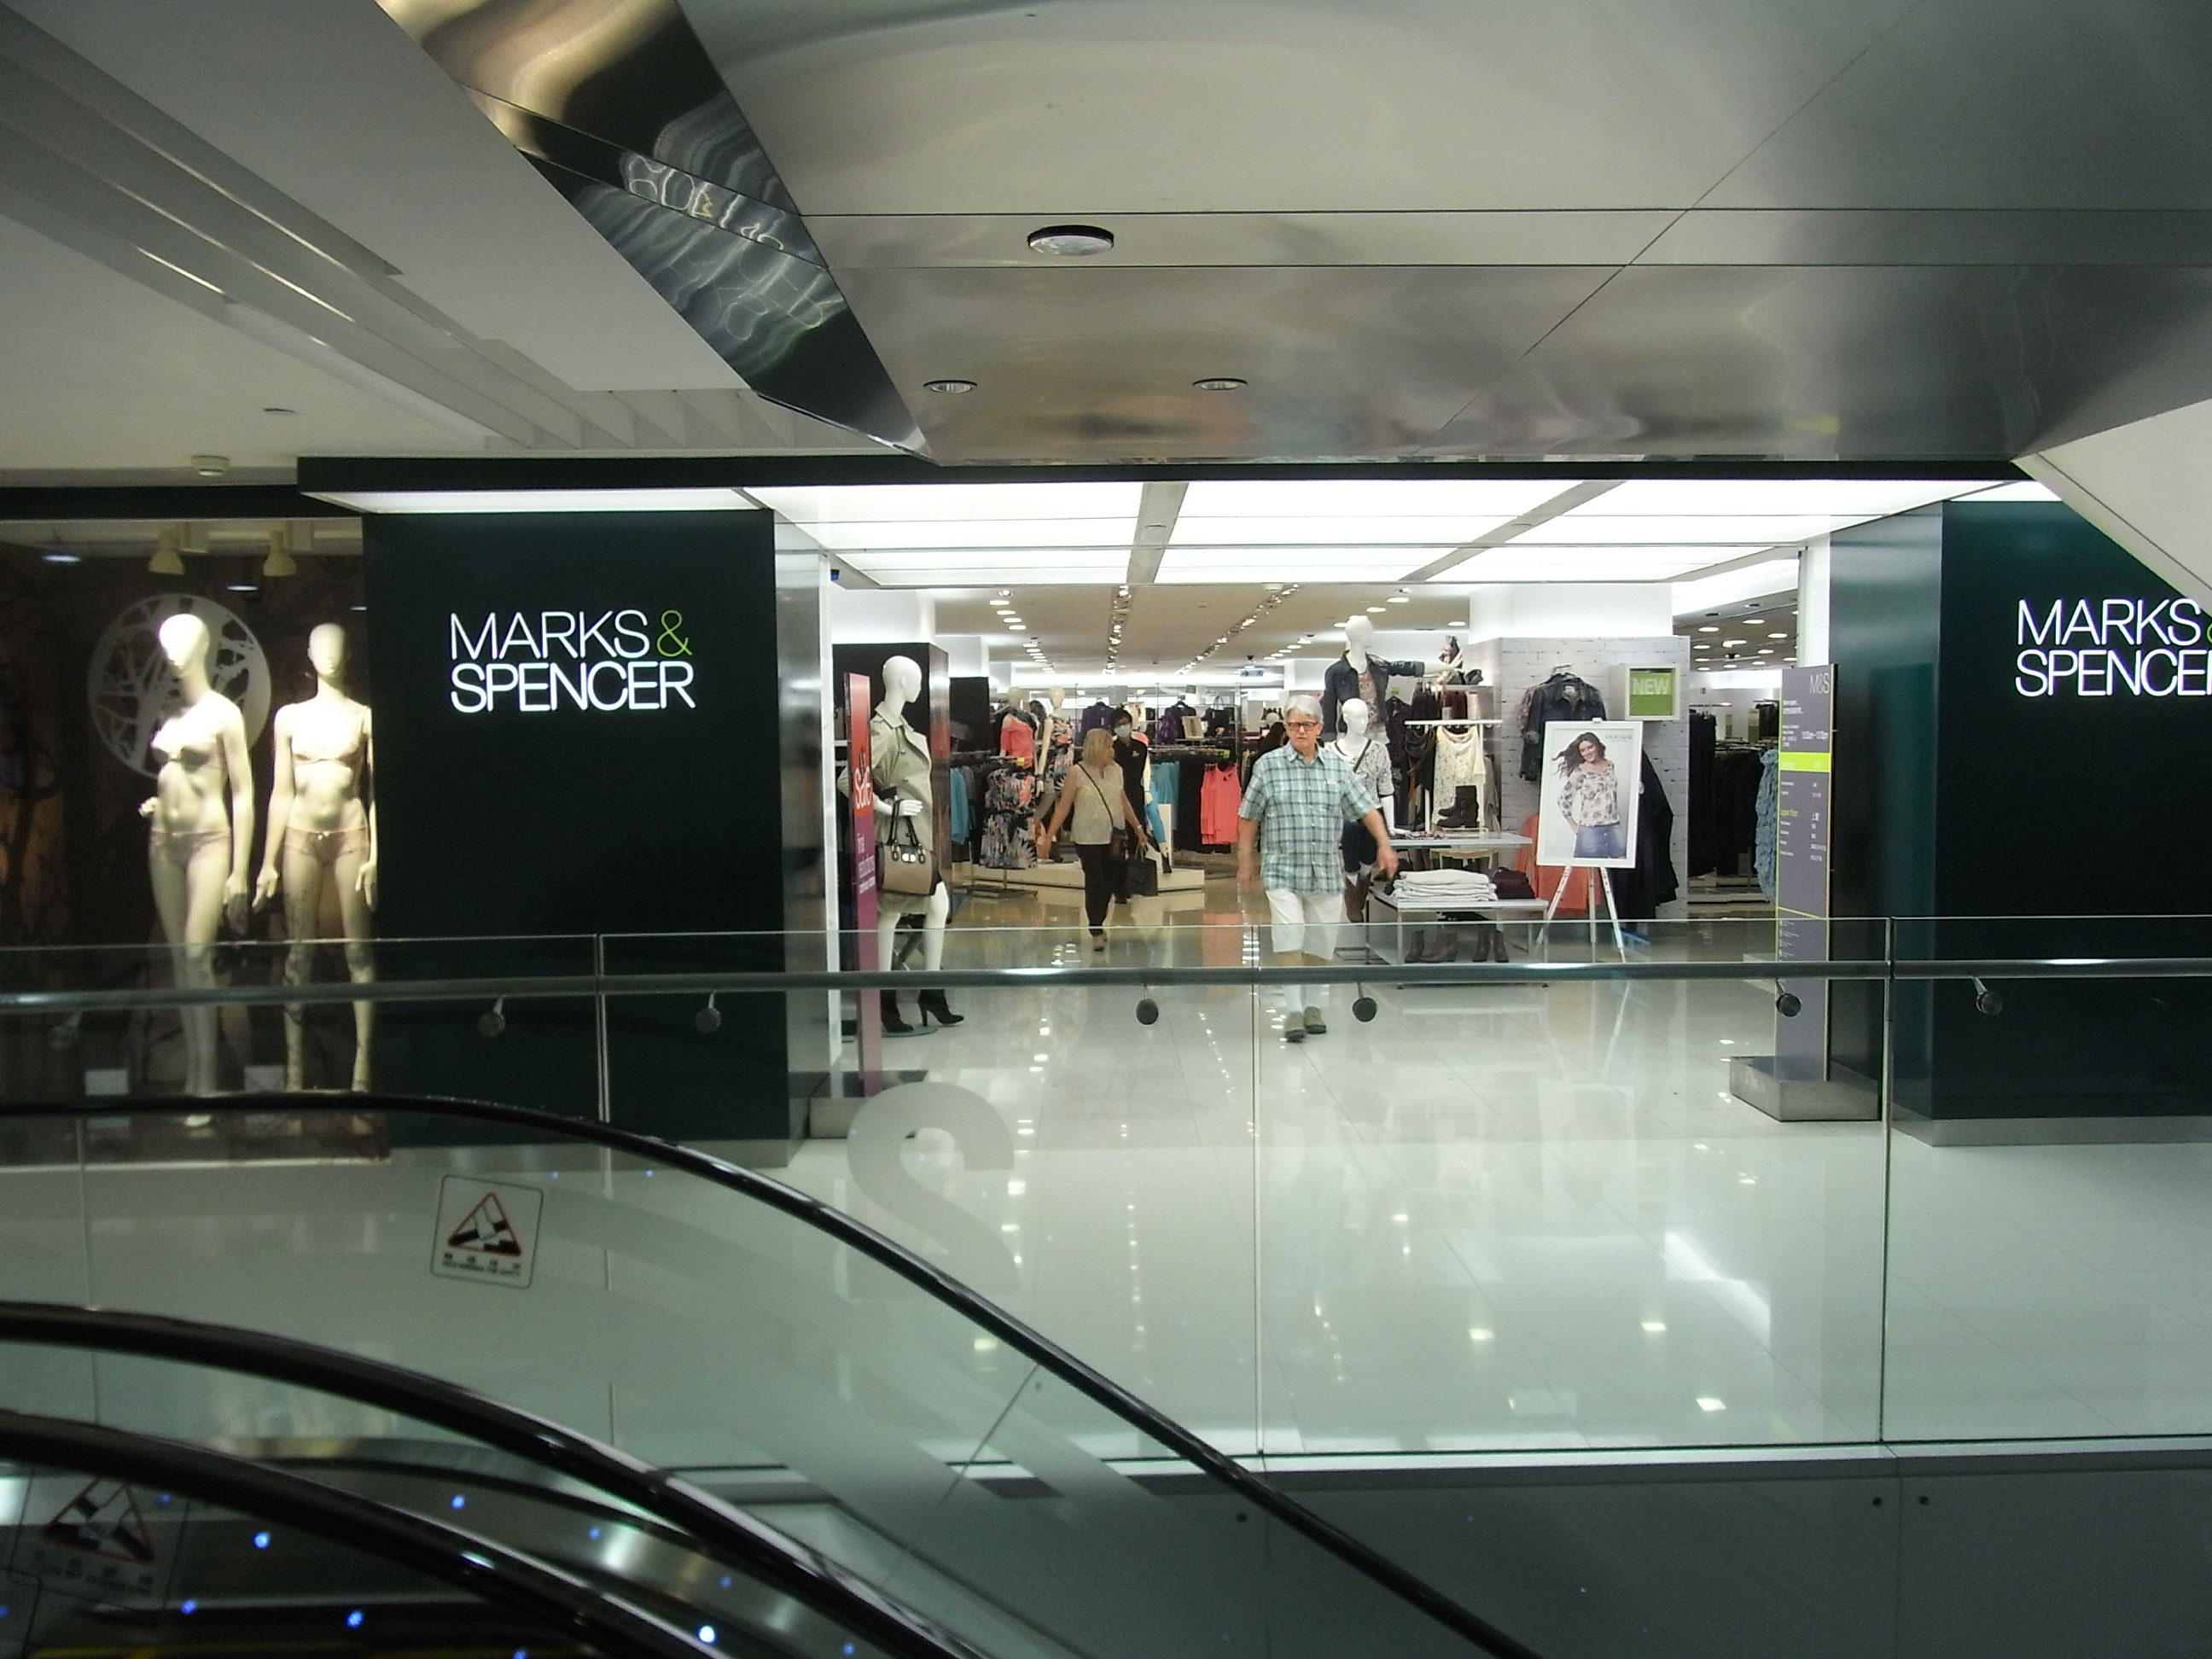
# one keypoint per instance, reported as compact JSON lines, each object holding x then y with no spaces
{"x":1452,"y":722}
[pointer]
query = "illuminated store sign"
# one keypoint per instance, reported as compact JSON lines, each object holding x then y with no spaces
{"x":2113,"y":647}
{"x":543,"y":661}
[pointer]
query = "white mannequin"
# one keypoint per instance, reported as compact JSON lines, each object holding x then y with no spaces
{"x":202,"y":840}
{"x":1352,"y":738}
{"x":1358,"y":633}
{"x":319,"y":831}
{"x":902,"y":686}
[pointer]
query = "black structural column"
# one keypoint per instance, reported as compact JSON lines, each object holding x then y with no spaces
{"x":578,"y":731}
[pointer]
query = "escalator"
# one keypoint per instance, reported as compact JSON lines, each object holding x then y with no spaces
{"x":873,"y":1460}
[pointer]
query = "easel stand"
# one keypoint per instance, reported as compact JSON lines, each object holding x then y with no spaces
{"x":1604,"y":876}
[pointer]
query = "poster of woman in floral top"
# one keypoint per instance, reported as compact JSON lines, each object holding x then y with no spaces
{"x":1589,"y":805}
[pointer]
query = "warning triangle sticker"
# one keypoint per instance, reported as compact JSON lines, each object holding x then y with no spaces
{"x":486,"y":1230}
{"x":104,"y":1519}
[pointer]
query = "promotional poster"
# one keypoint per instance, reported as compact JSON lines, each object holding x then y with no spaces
{"x":1587,"y":793}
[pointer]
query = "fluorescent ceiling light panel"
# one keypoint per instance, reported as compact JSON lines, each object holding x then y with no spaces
{"x":1520,"y":562}
{"x":1296,"y":564}
{"x":539,"y":500}
{"x":891,"y":535}
{"x":1494,"y":499}
{"x":1432,"y":532}
{"x":913,"y":503}
{"x":942,"y":575}
{"x":1584,"y":527}
{"x":1028,"y":564}
{"x":2026,"y":490}
{"x":1751,"y":581}
{"x":1848,"y":498}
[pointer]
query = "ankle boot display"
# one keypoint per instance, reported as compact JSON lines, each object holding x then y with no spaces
{"x":1466,"y":811}
{"x":894,"y":1025}
{"x":933,"y":1006}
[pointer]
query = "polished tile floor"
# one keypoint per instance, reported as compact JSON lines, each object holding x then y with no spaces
{"x":1496,"y":1219}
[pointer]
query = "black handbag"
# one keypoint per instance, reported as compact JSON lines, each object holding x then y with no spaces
{"x":1145,"y":875}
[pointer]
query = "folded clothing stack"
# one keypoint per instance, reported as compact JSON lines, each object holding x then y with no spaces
{"x":1438,"y":888}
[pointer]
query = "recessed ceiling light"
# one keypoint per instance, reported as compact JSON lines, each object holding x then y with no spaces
{"x":1395,"y":599}
{"x":1709,"y":629}
{"x":61,"y":558}
{"x":951,"y":387}
{"x":1071,"y":241}
{"x":210,"y":466}
{"x":1777,"y":636}
{"x":1373,"y":608}
{"x":1732,"y":644}
{"x":241,"y":587}
{"x":1219,"y":383}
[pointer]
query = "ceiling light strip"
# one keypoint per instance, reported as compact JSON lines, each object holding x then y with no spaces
{"x":1157,"y":508}
{"x":1566,"y":501}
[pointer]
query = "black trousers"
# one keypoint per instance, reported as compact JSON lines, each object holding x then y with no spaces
{"x":1103,"y":875}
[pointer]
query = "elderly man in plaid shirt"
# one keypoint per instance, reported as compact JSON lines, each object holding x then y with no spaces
{"x":1295,"y":808}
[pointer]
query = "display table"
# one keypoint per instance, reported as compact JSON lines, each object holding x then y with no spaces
{"x":1455,"y":841}
{"x":1390,"y":919}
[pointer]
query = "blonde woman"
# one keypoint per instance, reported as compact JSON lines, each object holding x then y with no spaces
{"x":1094,"y":797}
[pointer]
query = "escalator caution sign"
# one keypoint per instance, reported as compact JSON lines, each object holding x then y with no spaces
{"x":486,"y":1231}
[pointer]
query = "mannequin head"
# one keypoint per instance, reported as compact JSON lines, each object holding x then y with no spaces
{"x":184,"y":640}
{"x":1352,"y":720}
{"x":902,"y":683}
{"x":1358,"y":631}
{"x":1450,"y":653}
{"x":327,"y":651}
{"x":1058,"y":697}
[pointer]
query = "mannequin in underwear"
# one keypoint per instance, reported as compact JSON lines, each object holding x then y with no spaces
{"x":202,"y":841}
{"x":320,"y":832}
{"x":898,"y":759}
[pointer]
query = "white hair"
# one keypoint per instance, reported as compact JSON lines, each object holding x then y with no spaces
{"x":1303,"y":702}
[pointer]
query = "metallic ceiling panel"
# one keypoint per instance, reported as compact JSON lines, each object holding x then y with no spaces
{"x":1092,"y":364}
{"x":1922,"y":236}
{"x":1831,"y":363}
{"x":1088,"y":106}
{"x":621,"y":112}
{"x":893,"y":240}
{"x":2083,"y":104}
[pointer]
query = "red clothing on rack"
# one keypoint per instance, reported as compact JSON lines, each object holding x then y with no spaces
{"x":1220,"y":795}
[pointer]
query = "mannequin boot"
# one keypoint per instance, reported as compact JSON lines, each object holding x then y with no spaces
{"x":893,"y":1024}
{"x":933,"y":1006}
{"x":1466,"y":811}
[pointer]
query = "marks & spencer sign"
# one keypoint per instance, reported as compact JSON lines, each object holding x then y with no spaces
{"x":539,"y":662}
{"x":2112,"y":647}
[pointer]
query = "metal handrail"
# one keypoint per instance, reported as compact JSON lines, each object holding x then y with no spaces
{"x":491,"y":987}
{"x":434,"y":1548}
{"x":766,"y":1554}
{"x":933,"y":1281}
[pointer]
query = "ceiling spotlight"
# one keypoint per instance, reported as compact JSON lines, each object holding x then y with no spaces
{"x":1219,"y":383}
{"x":1071,"y":241}
{"x":1395,"y":599}
{"x":950,"y":387}
{"x":1777,"y":636}
{"x":1709,"y":629}
{"x":279,"y":561}
{"x":210,"y":466}
{"x":1373,"y":608}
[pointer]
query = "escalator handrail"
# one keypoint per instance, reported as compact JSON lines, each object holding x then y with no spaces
{"x":720,"y":1528}
{"x":1102,"y":1390}
{"x":434,"y":1548}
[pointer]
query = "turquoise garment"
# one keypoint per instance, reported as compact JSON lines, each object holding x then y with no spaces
{"x":958,"y":804}
{"x":1165,"y":775}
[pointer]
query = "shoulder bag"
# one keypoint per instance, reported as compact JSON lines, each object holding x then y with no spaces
{"x":906,"y":865}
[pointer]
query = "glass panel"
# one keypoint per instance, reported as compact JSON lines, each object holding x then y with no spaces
{"x":1545,"y":1214}
{"x":2050,"y":1257}
{"x":92,"y":1564}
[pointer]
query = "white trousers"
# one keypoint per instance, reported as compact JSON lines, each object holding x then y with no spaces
{"x":1305,"y":923}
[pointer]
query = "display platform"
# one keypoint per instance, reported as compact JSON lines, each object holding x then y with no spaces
{"x":1389,"y":919}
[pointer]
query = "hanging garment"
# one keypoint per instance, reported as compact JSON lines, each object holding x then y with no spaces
{"x":1220,"y":796}
{"x":1762,"y":852}
{"x":1702,"y":840}
{"x":1637,"y":893}
{"x":956,"y":785}
{"x":1460,"y":764}
{"x":1096,"y":718}
{"x":1562,"y":697}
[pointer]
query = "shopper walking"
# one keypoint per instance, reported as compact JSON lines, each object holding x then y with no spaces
{"x":1288,"y":844}
{"x":1102,"y":830}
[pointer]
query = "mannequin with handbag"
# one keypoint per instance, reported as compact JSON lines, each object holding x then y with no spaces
{"x":908,"y":877}
{"x":1105,"y":830}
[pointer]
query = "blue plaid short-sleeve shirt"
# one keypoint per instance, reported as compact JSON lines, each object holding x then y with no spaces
{"x":1302,"y":807}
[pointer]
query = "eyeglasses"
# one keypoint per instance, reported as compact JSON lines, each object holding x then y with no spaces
{"x":1302,"y":726}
